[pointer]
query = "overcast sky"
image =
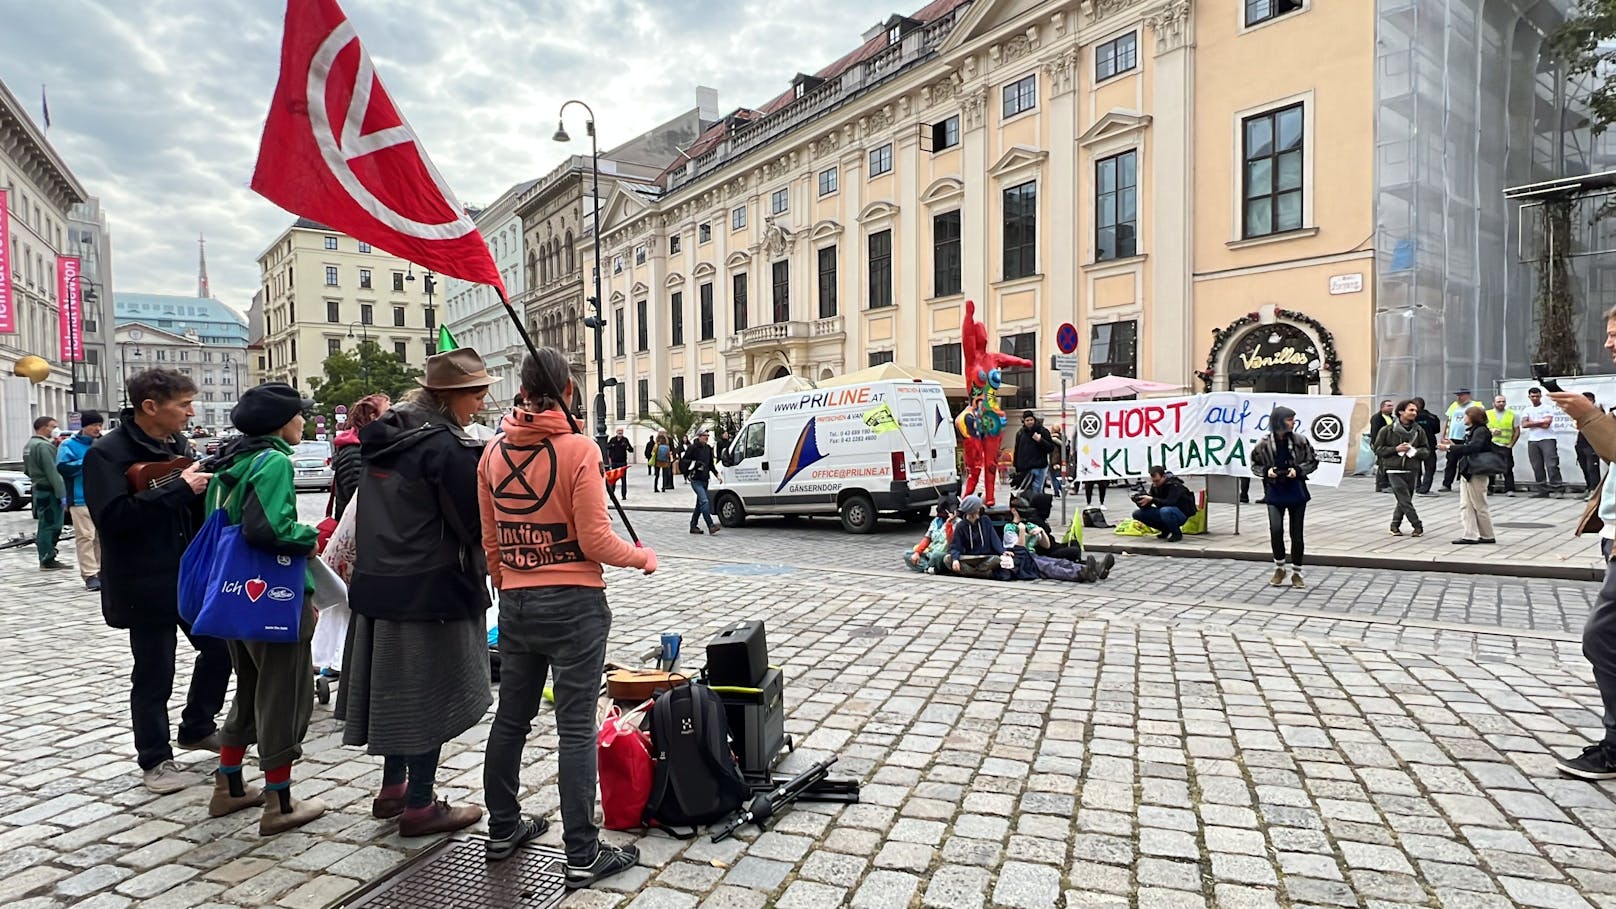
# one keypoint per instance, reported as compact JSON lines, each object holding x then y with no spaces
{"x":157,"y":105}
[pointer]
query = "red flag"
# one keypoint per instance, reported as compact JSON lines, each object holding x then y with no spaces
{"x":615,"y":474}
{"x":336,"y":149}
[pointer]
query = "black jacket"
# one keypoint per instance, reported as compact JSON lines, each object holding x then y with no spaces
{"x":698,"y":462}
{"x":346,"y":467}
{"x":1478,"y":442}
{"x":617,"y":451}
{"x":1432,"y":424}
{"x":1033,"y":447}
{"x":1172,"y":493}
{"x":142,"y":534}
{"x":1389,"y":437}
{"x":418,"y":544}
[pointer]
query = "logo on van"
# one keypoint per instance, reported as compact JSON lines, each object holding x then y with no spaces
{"x":804,"y":455}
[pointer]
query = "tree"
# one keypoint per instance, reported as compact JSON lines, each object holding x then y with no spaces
{"x":676,"y":417}
{"x":1586,"y":43}
{"x":351,"y":376}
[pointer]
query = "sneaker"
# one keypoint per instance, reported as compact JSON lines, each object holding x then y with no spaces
{"x":51,"y":565}
{"x":205,"y":743}
{"x":1594,"y":763}
{"x":1417,"y":532}
{"x":528,"y":828}
{"x":1278,"y":580}
{"x":714,"y":528}
{"x":1397,"y":531}
{"x":1106,"y":565}
{"x":168,"y":777}
{"x":697,"y":531}
{"x":1296,"y":579}
{"x":1164,"y":535}
{"x":609,"y":860}
{"x":1177,"y":537}
{"x":93,"y":582}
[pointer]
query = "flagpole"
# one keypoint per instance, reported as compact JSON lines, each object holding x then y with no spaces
{"x":611,"y":488}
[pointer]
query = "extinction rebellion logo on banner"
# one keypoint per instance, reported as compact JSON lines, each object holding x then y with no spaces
{"x":1204,"y":434}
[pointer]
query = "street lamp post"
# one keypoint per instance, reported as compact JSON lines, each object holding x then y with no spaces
{"x":364,"y":364}
{"x":429,"y":283}
{"x":123,"y":369}
{"x":595,"y":321}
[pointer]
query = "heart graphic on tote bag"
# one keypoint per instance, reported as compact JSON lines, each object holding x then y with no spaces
{"x":255,"y":588}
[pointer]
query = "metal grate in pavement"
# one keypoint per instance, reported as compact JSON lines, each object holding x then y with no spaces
{"x":454,"y":874}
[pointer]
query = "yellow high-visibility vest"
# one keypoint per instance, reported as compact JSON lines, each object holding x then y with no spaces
{"x":1503,"y":427}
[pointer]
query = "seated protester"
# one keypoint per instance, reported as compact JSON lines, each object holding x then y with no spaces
{"x":931,"y":553}
{"x":1166,"y":505}
{"x":1069,"y":548}
{"x":977,"y":549}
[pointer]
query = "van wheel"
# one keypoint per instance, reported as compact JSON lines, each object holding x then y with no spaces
{"x":731,"y":513}
{"x":858,"y":514}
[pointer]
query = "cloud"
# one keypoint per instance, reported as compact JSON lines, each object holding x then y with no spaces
{"x":158,"y":106}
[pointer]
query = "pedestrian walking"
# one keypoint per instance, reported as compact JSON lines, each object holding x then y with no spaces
{"x":545,"y":557}
{"x":415,"y":670}
{"x":678,"y":452}
{"x":253,"y":483}
{"x":1400,"y":449}
{"x":1504,"y":425}
{"x":1542,"y":445}
{"x":143,"y":534}
{"x":50,"y":493}
{"x":1284,"y":460}
{"x":1386,"y":416}
{"x":650,"y":461}
{"x":1587,"y":460}
{"x":1432,"y":424}
{"x":1476,"y":461}
{"x":347,"y":464}
{"x":618,"y":449}
{"x":70,"y":464}
{"x":1597,"y":761}
{"x":699,"y":470}
{"x":1456,"y":430}
{"x":664,"y":463}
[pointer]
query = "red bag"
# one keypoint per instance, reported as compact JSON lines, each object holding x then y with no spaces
{"x":626,"y":769}
{"x":328,"y":526}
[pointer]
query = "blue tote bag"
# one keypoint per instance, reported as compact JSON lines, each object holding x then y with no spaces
{"x":197,"y":564}
{"x":251,"y":594}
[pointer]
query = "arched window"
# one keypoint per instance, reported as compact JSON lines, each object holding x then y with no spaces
{"x":572,"y":324}
{"x":571,"y":264}
{"x":544,"y":269}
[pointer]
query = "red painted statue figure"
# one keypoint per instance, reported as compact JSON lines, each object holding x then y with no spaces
{"x":982,"y":421}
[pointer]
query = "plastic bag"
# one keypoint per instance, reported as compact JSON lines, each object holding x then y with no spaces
{"x":626,"y":769}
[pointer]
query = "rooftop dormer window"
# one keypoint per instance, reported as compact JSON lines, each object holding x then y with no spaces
{"x":894,"y":33}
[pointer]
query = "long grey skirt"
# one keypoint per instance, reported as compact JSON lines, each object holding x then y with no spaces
{"x":408,"y":687}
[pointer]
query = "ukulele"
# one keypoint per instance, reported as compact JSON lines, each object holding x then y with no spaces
{"x":153,"y":474}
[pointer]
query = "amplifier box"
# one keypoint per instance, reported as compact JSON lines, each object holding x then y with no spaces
{"x":757,"y":720}
{"x":738,"y":655}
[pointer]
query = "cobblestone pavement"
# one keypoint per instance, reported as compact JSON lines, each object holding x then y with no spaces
{"x":1021,"y":745}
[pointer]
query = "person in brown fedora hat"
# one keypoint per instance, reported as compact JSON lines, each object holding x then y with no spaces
{"x":415,"y":667}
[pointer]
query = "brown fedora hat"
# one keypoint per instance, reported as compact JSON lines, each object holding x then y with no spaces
{"x":455,"y":370}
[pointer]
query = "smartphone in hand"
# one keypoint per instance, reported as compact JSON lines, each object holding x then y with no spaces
{"x":1540,"y":372}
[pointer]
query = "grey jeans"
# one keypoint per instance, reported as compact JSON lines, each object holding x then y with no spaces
{"x":560,"y":631}
{"x":1402,"y":482}
{"x":1545,"y":457}
{"x":1599,"y":643}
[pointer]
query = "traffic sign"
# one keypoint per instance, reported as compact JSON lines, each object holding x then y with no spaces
{"x":1066,"y":338}
{"x":1065,"y":364}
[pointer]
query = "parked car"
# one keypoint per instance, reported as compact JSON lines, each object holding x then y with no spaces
{"x":16,"y":490}
{"x":312,"y":461}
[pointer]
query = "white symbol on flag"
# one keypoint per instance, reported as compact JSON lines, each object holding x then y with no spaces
{"x":353,"y":144}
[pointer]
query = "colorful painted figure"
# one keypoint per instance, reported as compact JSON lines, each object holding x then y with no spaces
{"x":982,"y":422}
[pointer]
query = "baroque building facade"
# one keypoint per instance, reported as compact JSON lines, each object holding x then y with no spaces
{"x":1193,"y":185}
{"x":474,"y":313}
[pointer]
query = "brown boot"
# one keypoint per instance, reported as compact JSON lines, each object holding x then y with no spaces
{"x":282,"y":812}
{"x":437,"y":818}
{"x":230,"y":794}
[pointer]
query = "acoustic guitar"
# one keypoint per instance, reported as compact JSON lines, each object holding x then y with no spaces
{"x":640,"y":684}
{"x":153,"y":474}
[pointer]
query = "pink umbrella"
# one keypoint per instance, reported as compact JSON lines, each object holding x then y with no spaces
{"x":1113,"y":387}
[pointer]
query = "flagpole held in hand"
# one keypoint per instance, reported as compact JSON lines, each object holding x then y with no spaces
{"x":611,"y":488}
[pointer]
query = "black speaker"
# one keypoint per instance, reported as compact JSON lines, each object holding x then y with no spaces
{"x":738,"y":655}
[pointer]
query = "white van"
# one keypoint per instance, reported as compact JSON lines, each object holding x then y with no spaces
{"x":837,"y":451}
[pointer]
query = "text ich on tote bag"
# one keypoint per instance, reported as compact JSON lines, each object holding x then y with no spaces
{"x":251,"y":594}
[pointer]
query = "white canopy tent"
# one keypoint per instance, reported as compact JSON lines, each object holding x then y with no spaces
{"x":751,"y":395}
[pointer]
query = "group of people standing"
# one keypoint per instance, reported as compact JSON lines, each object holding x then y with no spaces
{"x":437,"y":515}
{"x":56,"y":474}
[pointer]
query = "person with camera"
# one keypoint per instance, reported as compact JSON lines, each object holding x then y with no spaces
{"x":1166,"y":506}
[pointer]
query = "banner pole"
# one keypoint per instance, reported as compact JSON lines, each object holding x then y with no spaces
{"x":611,"y":491}
{"x":1065,"y":459}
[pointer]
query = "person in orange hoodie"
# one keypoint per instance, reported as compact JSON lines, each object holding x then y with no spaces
{"x":545,"y":529}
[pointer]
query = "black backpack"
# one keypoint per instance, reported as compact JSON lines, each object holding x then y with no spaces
{"x":697,"y":781}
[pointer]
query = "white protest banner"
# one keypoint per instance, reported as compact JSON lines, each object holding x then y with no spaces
{"x":1205,"y":434}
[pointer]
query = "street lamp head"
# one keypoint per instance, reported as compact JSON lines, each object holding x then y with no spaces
{"x":561,"y":133}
